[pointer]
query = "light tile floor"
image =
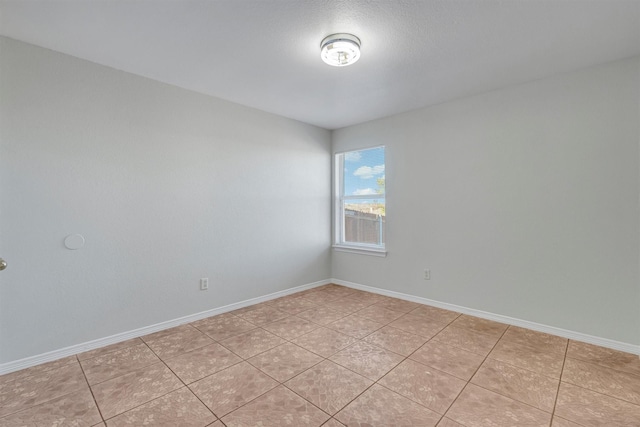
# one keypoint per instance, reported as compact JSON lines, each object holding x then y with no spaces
{"x":332,"y":356}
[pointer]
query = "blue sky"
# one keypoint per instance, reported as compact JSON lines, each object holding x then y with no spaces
{"x":361,"y":169}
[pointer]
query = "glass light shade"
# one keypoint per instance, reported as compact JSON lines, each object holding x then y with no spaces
{"x":340,"y":50}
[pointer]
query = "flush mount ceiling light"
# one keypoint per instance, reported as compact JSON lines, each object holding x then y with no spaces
{"x":340,"y":50}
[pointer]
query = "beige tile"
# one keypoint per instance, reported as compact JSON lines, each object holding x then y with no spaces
{"x":199,"y":363}
{"x":591,"y":409}
{"x":178,"y":343}
{"x":108,"y":349}
{"x":476,"y":405}
{"x":561,"y":422}
{"x":435,"y":313}
{"x":483,"y":326}
{"x":333,"y":423}
{"x":466,"y":339}
{"x":324,"y":341}
{"x":367,"y":297}
{"x":379,"y":406}
{"x":166,"y":332}
{"x":251,"y":343}
{"x":292,"y":305}
{"x":396,"y":304}
{"x":123,"y":393}
{"x":43,"y":386}
{"x":290,"y":327}
{"x":396,"y":340}
{"x":279,"y":407}
{"x":285,"y":361}
{"x":320,"y":297}
{"x":540,"y":361}
{"x":251,"y":307}
{"x":262,"y":315}
{"x":77,"y":408}
{"x":617,"y":384}
{"x":321,"y":315}
{"x":348,"y":305}
{"x":424,"y":385}
{"x":446,"y":422}
{"x":224,"y":326}
{"x":609,"y":358}
{"x":518,"y":384}
{"x":231,"y":388}
{"x":418,"y":325}
{"x":117,"y":363}
{"x":34,"y":371}
{"x":452,"y":360}
{"x":329,"y":386}
{"x":178,"y":408}
{"x":538,"y":340}
{"x":379,"y":314}
{"x":217,"y":424}
{"x":367,"y":360}
{"x":355,"y":326}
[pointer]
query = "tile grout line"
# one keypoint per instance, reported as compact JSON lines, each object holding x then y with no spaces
{"x":91,"y":390}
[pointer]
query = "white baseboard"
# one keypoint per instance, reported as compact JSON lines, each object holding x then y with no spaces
{"x":577,"y":336}
{"x":50,"y":356}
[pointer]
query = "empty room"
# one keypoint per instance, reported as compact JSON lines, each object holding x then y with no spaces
{"x":193,"y":213}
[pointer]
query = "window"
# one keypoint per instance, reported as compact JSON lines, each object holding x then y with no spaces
{"x":360,"y":201}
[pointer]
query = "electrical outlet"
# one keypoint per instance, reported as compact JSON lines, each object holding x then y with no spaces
{"x":204,"y":284}
{"x":427,"y":274}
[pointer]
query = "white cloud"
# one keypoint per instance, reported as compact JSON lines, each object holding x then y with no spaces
{"x":352,"y":156}
{"x":368,"y":172}
{"x":364,"y":192}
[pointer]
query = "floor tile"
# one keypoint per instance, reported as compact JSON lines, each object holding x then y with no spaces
{"x":446,"y":422}
{"x":519,"y":384}
{"x":435,"y":313}
{"x":367,"y":297}
{"x":591,"y":409}
{"x":418,"y":325}
{"x":231,"y":388}
{"x":396,"y":304}
{"x":561,"y":422}
{"x":540,"y":361}
{"x":620,"y":385}
{"x":117,"y":363}
{"x":538,"y":340}
{"x":109,"y":348}
{"x":34,"y":371}
{"x":77,"y":408}
{"x":609,"y":358}
{"x":333,"y":423}
{"x":367,"y":360}
{"x":321,"y":315}
{"x":123,"y":393}
{"x":199,"y":363}
{"x":285,"y":361}
{"x":379,"y":406}
{"x":483,"y":326}
{"x":251,"y":343}
{"x":249,"y":308}
{"x":355,"y":326}
{"x":41,"y":387}
{"x":452,"y":360}
{"x":279,"y":407}
{"x":424,"y":385}
{"x":292,"y":305}
{"x":396,"y":340}
{"x":329,"y":386}
{"x":466,"y":339}
{"x":262,"y":315}
{"x":166,"y":332}
{"x":320,"y":297}
{"x":476,"y":405}
{"x":348,"y":305}
{"x":222,"y":327}
{"x":290,"y":327}
{"x":379,"y":314}
{"x":324,"y":342}
{"x":178,"y":408}
{"x":180,"y":342}
{"x":217,"y":424}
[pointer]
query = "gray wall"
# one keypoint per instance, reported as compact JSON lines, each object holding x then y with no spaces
{"x":166,"y":185}
{"x":523,"y":202}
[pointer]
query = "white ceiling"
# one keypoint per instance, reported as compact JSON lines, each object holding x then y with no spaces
{"x":266,"y":53}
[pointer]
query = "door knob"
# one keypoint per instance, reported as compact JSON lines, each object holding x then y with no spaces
{"x":3,"y":264}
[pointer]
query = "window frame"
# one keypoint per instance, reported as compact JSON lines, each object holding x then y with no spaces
{"x":339,"y":243}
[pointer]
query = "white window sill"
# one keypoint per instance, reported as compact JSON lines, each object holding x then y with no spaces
{"x":362,"y":250}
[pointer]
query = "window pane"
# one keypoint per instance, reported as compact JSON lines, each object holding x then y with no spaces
{"x":364,"y":220}
{"x":364,"y":172}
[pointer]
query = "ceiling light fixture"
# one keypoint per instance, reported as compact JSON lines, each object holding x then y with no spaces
{"x":340,"y":50}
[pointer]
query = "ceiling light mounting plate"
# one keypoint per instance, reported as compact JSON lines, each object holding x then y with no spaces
{"x":340,"y":49}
